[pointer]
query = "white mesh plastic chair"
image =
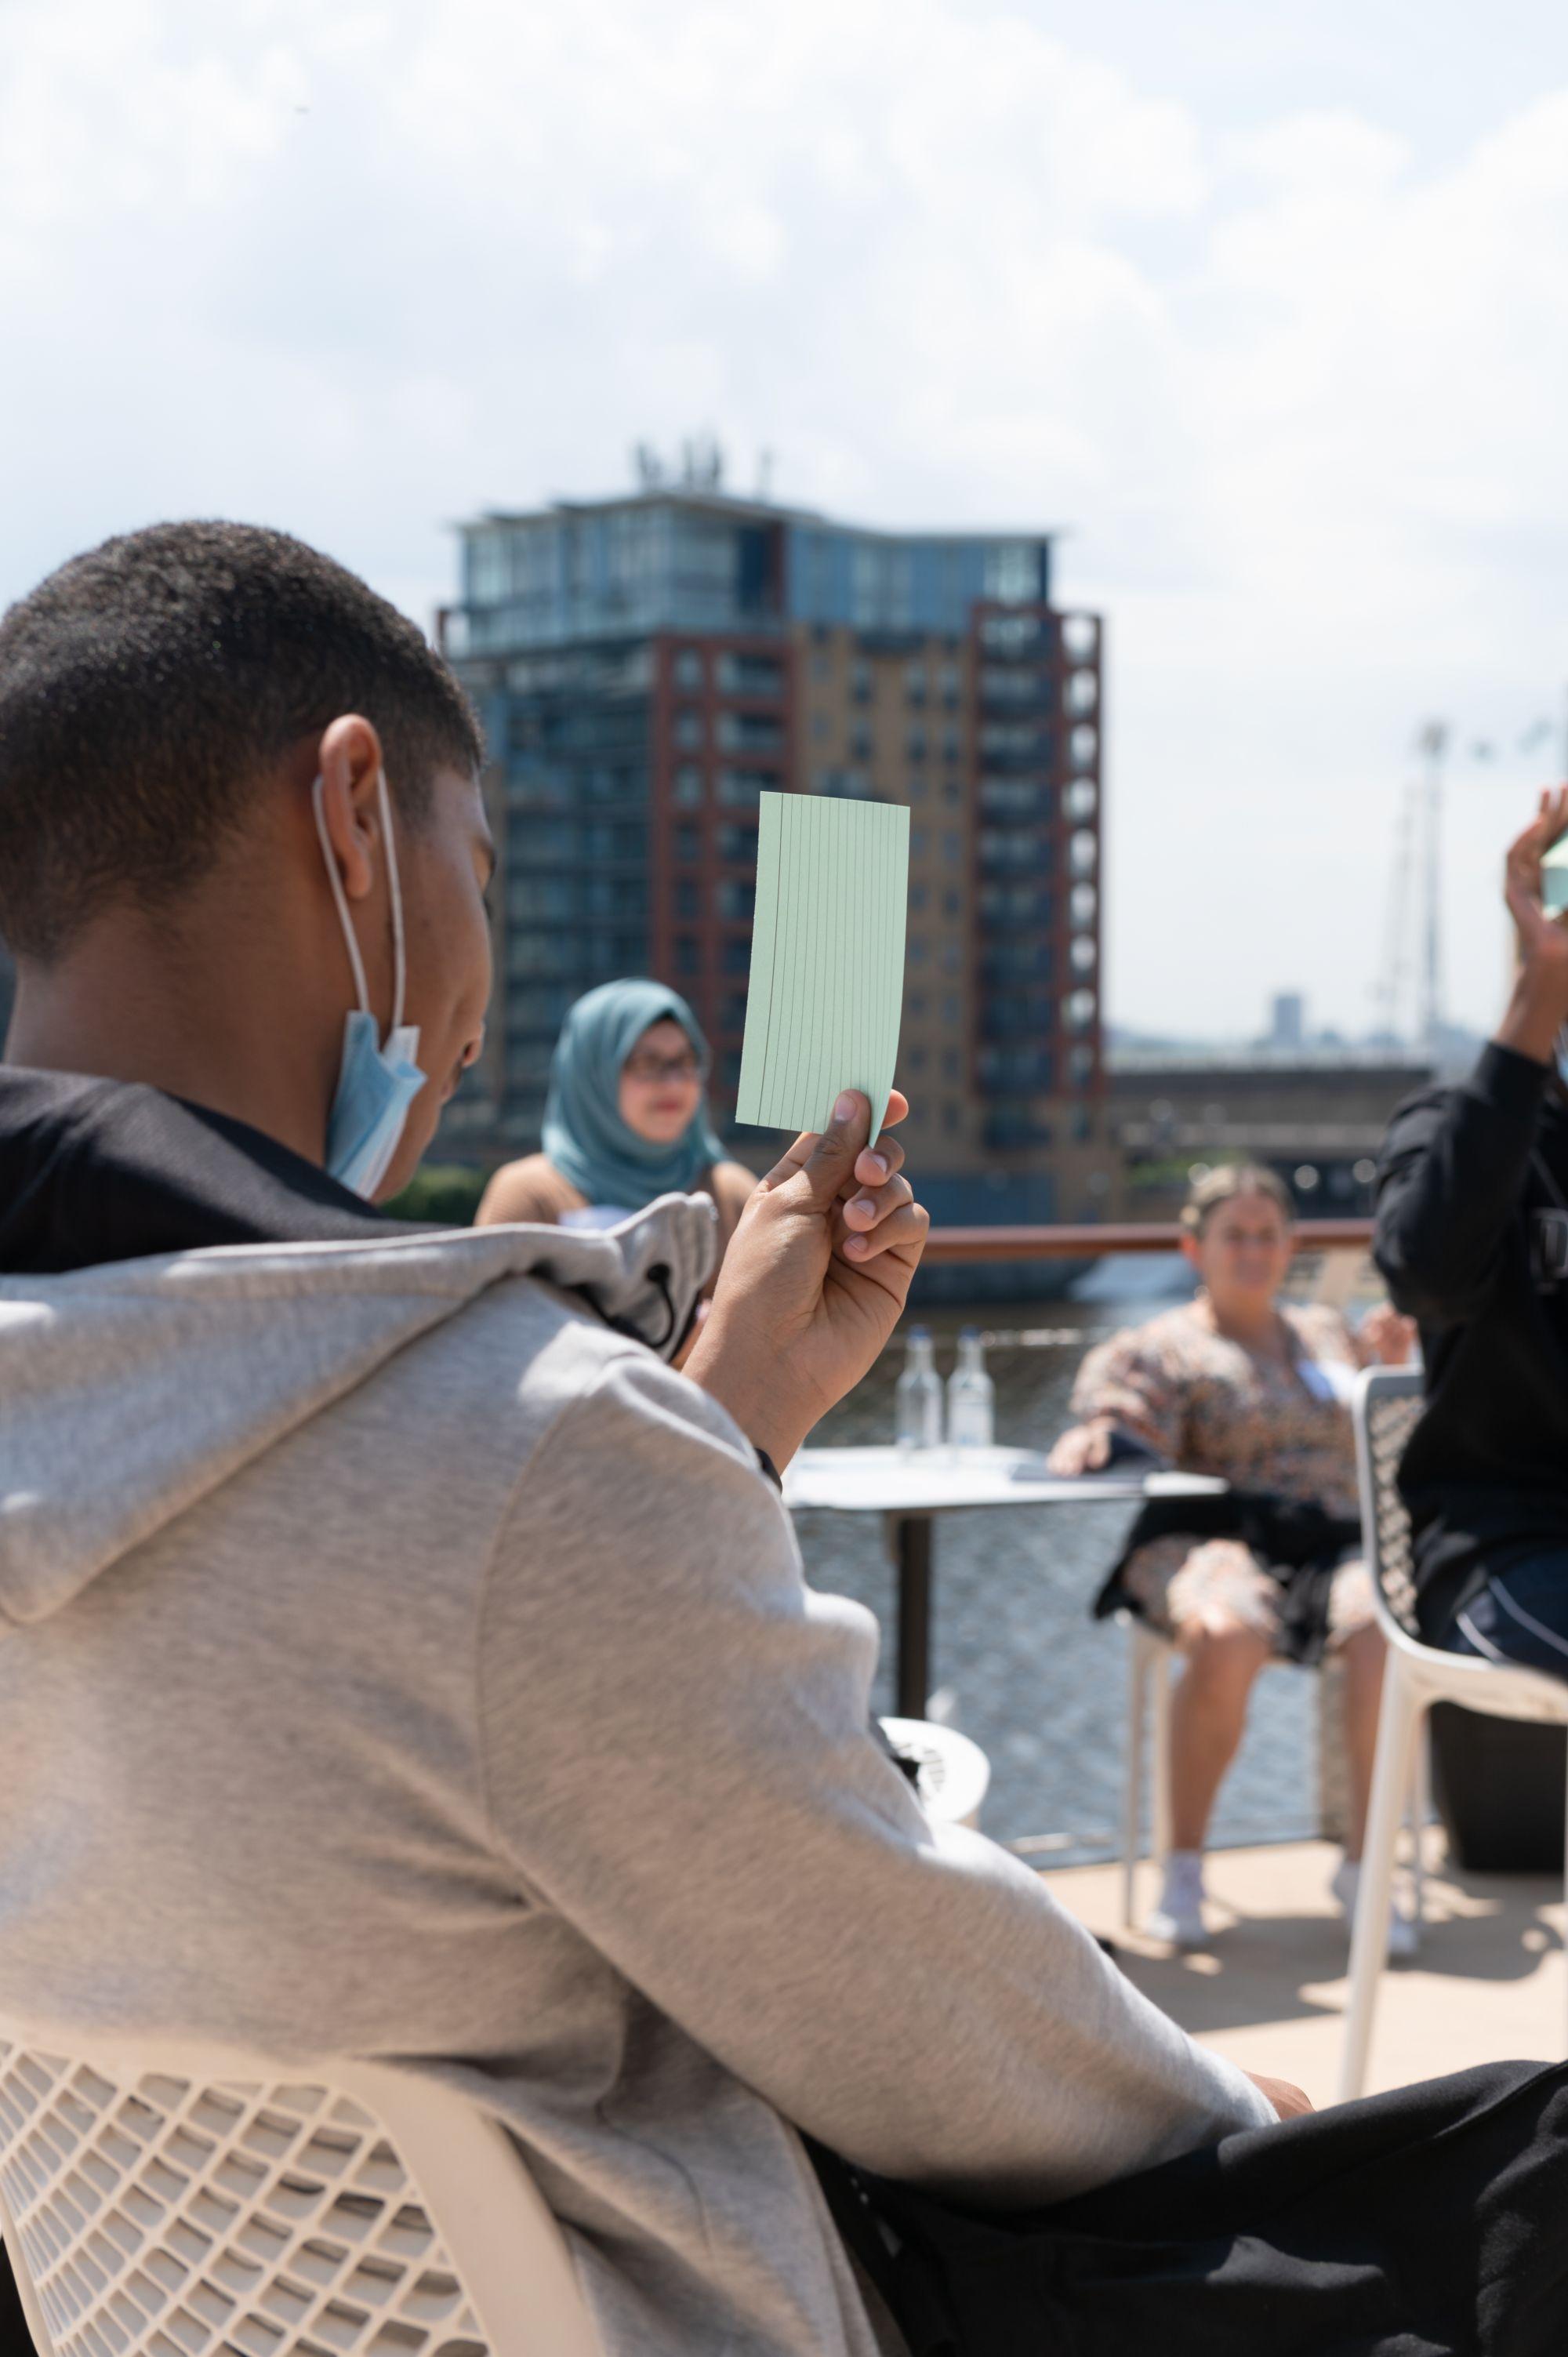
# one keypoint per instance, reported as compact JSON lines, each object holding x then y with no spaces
{"x":176,"y":2201}
{"x":1388,"y":1403}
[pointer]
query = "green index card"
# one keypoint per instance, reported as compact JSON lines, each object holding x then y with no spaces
{"x":827,"y":959}
{"x":1554,"y":877}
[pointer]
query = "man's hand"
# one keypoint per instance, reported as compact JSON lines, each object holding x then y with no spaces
{"x":814,"y":1280}
{"x":1539,"y":1007}
{"x":1387,"y":1338}
{"x":1082,"y":1448}
{"x":1288,"y":2101}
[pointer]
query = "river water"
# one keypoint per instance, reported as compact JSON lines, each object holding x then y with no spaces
{"x":1018,"y":1662}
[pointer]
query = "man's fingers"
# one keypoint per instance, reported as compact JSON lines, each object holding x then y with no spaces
{"x":837,"y":1159}
{"x":879,"y":1162}
{"x":907,"y":1227}
{"x":873,"y":1204}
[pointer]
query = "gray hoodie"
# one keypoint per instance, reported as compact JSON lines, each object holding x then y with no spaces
{"x":399,"y":1661}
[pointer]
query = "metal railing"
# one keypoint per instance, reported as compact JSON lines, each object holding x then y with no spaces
{"x":956,"y":1245}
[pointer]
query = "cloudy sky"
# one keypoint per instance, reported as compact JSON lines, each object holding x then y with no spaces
{"x":1267,"y":306}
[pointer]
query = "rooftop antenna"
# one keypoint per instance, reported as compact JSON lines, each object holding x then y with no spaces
{"x":648,"y":466}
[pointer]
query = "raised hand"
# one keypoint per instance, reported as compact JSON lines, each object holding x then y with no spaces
{"x":1539,"y":1007}
{"x":816,"y":1275}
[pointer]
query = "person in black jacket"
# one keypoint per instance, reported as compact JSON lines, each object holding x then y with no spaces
{"x":1472,"y":1237}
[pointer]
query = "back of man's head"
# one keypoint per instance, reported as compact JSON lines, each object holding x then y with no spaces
{"x":148,"y":687}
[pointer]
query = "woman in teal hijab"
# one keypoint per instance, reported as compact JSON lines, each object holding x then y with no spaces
{"x":626,"y":1120}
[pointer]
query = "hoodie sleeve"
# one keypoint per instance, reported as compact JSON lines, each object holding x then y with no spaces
{"x":1452,"y":1172}
{"x":674,"y":1731}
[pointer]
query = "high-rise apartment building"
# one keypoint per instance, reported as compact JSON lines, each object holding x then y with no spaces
{"x":647,"y":666}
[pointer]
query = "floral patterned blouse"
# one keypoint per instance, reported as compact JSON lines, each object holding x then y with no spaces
{"x":1209,"y":1406}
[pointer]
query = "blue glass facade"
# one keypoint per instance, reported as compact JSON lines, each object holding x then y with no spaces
{"x":663,"y":562}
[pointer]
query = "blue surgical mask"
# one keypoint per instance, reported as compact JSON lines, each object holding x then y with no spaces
{"x":377,"y":1081}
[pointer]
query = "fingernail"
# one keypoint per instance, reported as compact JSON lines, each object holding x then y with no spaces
{"x":859,"y":1247}
{"x":844,"y":1109}
{"x":863,"y":1203}
{"x":879,"y":1164}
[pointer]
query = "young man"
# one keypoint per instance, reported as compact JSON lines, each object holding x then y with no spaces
{"x":1473,"y":1238}
{"x":400,"y":1660}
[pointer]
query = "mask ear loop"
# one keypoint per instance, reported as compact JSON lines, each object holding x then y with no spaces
{"x":318,"y":804}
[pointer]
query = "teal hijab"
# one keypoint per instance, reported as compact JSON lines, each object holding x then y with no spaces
{"x":584,"y":1135}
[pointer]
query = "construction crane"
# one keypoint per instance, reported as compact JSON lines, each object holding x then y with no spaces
{"x":1413,"y":939}
{"x":1411,"y":972}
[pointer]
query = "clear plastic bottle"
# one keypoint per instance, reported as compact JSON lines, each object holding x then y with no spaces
{"x":972,"y":1396}
{"x":919,"y":1396}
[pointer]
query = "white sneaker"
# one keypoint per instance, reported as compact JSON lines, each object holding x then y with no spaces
{"x":1179,"y":1918}
{"x":1404,"y":1932}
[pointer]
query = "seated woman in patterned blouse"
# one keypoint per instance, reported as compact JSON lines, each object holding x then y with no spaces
{"x":1237,"y":1383}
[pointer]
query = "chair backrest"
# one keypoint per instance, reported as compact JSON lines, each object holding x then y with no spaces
{"x":176,"y":2201}
{"x":1387,"y":1409}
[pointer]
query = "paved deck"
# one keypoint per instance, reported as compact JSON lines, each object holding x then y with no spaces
{"x":1489,"y":1985}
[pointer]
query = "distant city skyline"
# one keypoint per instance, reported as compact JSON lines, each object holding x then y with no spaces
{"x":1266,"y":309}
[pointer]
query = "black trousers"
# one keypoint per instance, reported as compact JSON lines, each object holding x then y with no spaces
{"x":1428,"y":2222}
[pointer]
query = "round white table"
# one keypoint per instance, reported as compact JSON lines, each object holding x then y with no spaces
{"x":909,"y":1487}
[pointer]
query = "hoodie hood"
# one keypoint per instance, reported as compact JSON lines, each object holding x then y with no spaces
{"x":132,"y":1386}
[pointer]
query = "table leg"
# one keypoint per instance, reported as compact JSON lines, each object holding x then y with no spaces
{"x":912,"y":1549}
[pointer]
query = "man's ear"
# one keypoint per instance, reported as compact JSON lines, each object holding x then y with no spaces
{"x":1189,"y":1248}
{"x":349,"y":764}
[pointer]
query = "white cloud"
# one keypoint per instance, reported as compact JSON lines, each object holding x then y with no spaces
{"x":358,"y":270}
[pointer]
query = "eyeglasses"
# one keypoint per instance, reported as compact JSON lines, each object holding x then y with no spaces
{"x":644,"y":1066}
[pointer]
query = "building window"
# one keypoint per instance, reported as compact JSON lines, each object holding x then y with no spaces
{"x":739,"y":789}
{"x":735,"y":957}
{"x":915,"y":682}
{"x":952,"y":745}
{"x":686,"y":787}
{"x":917,"y":898}
{"x":687,"y":899}
{"x":860,"y":743}
{"x":688,"y":846}
{"x":917,"y":1060}
{"x":750,"y":732}
{"x":948,"y":687}
{"x":688,"y":954}
{"x":1082,"y":798}
{"x":916,"y":744}
{"x":821,"y":664}
{"x":734,"y":901}
{"x":738,"y":844}
{"x":688,"y":726}
{"x":917,"y":842}
{"x":915,"y":950}
{"x":760,"y":675}
{"x":860,"y":682}
{"x":952,"y":848}
{"x":688,"y":668}
{"x":952,"y":793}
{"x":821,"y":727}
{"x":953,"y":904}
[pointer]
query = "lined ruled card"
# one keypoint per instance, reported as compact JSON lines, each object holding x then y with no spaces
{"x":827,"y":959}
{"x":1554,"y":877}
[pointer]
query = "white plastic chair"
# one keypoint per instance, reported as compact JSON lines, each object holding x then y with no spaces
{"x":1388,"y":1403}
{"x":172,"y":2200}
{"x":952,"y":1773}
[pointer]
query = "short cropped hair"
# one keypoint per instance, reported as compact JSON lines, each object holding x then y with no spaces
{"x":147,"y":687}
{"x":1226,"y":1181}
